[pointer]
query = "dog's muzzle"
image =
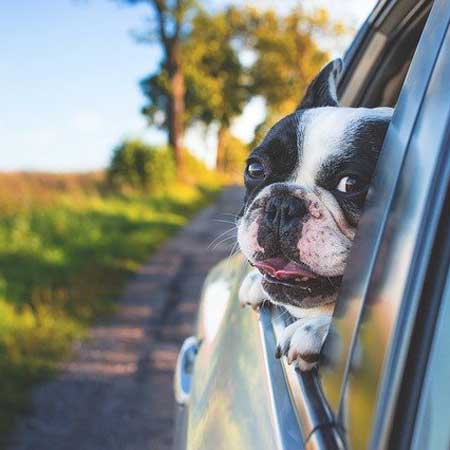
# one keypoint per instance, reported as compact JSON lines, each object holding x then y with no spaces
{"x":283,"y":214}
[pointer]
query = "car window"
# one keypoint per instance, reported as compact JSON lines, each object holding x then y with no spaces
{"x":377,"y":69}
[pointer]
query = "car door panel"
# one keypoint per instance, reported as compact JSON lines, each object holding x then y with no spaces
{"x":239,"y":398}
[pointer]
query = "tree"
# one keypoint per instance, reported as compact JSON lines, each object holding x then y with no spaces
{"x":215,"y":78}
{"x":138,"y":166}
{"x":165,"y":90}
{"x":204,"y":77}
{"x":287,"y":57}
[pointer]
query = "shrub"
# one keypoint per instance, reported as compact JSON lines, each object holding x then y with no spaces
{"x":138,"y":166}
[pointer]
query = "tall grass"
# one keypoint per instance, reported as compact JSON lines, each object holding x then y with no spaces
{"x":66,"y":248}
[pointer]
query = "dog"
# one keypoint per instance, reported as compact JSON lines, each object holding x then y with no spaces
{"x":306,"y":183}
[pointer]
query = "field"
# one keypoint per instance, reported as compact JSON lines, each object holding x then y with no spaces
{"x":67,"y":246}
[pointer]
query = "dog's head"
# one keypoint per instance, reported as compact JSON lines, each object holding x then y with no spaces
{"x":306,"y":184}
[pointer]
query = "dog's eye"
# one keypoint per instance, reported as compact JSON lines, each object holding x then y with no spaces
{"x":255,"y":170}
{"x":350,"y":184}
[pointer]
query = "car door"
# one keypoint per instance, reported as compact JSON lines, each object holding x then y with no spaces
{"x":238,"y":398}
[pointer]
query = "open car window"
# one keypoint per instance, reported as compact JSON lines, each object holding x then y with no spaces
{"x":376,"y":68}
{"x":401,"y":40}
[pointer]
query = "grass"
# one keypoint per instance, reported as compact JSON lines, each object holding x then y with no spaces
{"x":66,"y":250}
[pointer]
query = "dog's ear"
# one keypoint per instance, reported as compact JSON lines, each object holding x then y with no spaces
{"x":322,"y":90}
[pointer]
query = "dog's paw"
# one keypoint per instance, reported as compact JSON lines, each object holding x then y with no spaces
{"x":251,"y":292}
{"x":301,"y":341}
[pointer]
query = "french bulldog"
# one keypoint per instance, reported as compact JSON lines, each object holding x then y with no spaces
{"x":306,"y":183}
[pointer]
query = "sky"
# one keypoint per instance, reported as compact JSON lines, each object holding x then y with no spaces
{"x":69,"y":77}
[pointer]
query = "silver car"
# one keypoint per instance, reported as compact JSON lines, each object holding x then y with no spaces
{"x":384,"y":378}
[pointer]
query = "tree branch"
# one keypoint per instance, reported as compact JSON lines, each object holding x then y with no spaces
{"x":160,"y":8}
{"x":178,"y":20}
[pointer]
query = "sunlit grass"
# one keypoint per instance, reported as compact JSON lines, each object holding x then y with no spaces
{"x":66,"y":249}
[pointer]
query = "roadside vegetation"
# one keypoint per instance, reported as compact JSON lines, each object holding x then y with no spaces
{"x":67,"y":245}
{"x":69,"y":242}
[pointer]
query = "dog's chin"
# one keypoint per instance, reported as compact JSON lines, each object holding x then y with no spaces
{"x":302,"y":293}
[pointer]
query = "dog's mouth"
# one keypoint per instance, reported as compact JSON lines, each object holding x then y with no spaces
{"x":285,"y":272}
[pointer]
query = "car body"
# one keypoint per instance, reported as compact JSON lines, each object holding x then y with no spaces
{"x":383,"y":378}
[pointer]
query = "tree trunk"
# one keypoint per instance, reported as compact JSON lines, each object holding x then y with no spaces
{"x":176,"y":106}
{"x":176,"y":119}
{"x":221,"y":156}
{"x":172,"y":48}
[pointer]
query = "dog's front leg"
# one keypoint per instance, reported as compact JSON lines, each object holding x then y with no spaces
{"x":302,"y":341}
{"x":251,"y":292}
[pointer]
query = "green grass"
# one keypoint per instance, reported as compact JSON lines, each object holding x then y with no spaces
{"x":63,"y":262}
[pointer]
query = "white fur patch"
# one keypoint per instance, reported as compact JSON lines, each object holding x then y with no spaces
{"x":304,"y":338}
{"x":323,"y":130}
{"x":302,"y":313}
{"x":248,"y":238}
{"x":251,"y":292}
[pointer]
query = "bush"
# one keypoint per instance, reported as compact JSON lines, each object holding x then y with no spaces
{"x":138,"y":166}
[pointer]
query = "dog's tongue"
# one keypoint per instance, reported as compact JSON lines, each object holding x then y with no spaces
{"x":283,"y":269}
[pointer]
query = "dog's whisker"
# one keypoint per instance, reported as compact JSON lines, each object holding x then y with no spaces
{"x":226,"y":240}
{"x":229,"y":214}
{"x":220,"y":236}
{"x":223,"y":237}
{"x":225,"y":221}
{"x":234,"y":251}
{"x":282,"y":314}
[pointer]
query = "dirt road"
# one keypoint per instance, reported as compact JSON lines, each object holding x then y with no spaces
{"x":117,"y":392}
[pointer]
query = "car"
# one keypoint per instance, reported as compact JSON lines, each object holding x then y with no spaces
{"x":383,"y":377}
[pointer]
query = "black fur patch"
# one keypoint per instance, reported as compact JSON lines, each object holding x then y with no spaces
{"x":358,"y":156}
{"x":278,"y":153}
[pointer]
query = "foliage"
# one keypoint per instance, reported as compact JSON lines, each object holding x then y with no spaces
{"x":214,"y":74}
{"x":215,"y":77}
{"x":230,"y":56}
{"x":166,"y":93}
{"x":64,"y":257}
{"x":138,"y":166}
{"x":288,"y":56}
{"x":233,"y":55}
{"x":235,"y":154}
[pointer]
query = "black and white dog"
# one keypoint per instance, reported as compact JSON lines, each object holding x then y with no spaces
{"x":306,"y":184}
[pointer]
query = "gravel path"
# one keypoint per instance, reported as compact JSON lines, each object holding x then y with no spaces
{"x":117,"y":392}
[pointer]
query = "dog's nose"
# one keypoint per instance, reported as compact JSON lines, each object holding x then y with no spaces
{"x":283,"y":212}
